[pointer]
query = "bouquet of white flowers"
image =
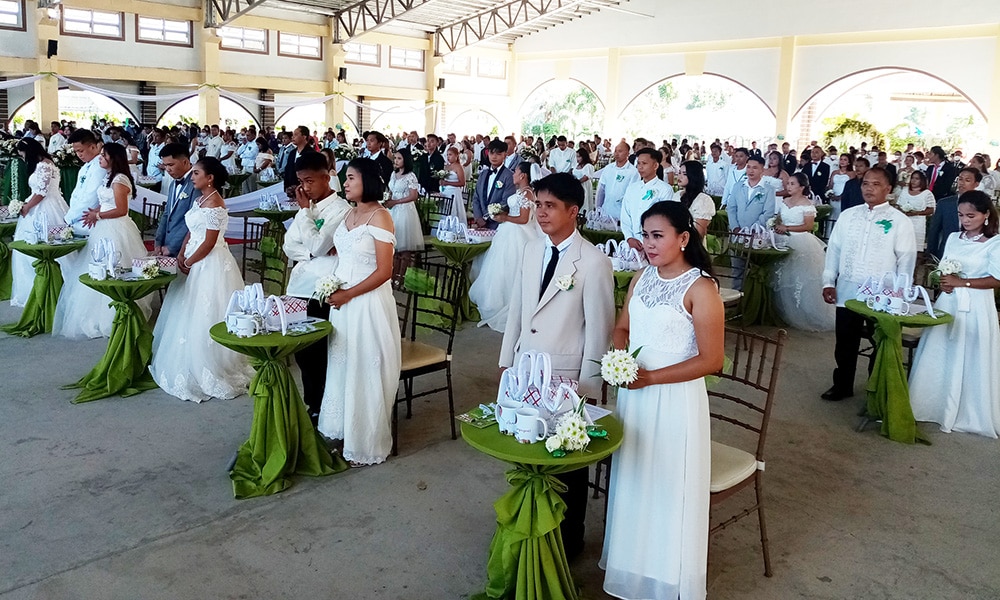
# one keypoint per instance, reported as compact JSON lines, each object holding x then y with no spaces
{"x":344,"y":152}
{"x":326,"y":286}
{"x":619,"y":367}
{"x":829,"y":194}
{"x":570,"y":436}
{"x":442,"y":174}
{"x":14,"y":208}
{"x":496,"y":208}
{"x":949,"y":266}
{"x":417,"y":152}
{"x":149,"y":270}
{"x":66,"y":157}
{"x":527,"y":152}
{"x":66,"y":234}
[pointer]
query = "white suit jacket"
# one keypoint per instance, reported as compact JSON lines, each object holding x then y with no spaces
{"x":84,"y":195}
{"x":573,"y":326}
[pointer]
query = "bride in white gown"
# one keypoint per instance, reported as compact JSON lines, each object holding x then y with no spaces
{"x":954,"y":381}
{"x":798,"y":279}
{"x":494,"y":283}
{"x":365,"y":358}
{"x":187,"y":363}
{"x":82,"y":311}
{"x":454,"y":184}
{"x":656,"y":538}
{"x":45,"y":199}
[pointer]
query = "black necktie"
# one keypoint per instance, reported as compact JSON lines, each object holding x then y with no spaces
{"x":550,"y":270}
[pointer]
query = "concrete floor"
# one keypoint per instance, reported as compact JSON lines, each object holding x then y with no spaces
{"x":129,"y":498}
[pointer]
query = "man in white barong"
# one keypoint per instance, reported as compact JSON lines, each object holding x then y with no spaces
{"x":91,"y":177}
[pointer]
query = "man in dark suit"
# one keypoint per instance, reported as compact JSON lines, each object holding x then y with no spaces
{"x":755,"y":151}
{"x":180,"y":193}
{"x":852,"y":189}
{"x":883,"y":163}
{"x":818,"y":171}
{"x":945,"y":219}
{"x":789,"y":158}
{"x":300,"y":145}
{"x":940,"y":173}
{"x":494,"y":186}
{"x":430,"y":162}
{"x":376,"y":142}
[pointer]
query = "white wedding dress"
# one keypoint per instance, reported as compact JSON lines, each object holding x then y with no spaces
{"x":406,"y":221}
{"x":187,"y":363}
{"x":500,"y":265}
{"x":458,"y":199}
{"x":839,"y":181}
{"x":44,"y":182}
{"x":84,"y":312}
{"x":917,"y":203}
{"x":364,"y":354}
{"x":656,"y":539}
{"x":798,"y":279}
{"x":954,"y":381}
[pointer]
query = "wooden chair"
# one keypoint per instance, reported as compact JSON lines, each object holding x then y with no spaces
{"x":741,"y":404}
{"x":434,"y":309}
{"x":400,"y":264}
{"x":730,"y":252}
{"x":151,"y":212}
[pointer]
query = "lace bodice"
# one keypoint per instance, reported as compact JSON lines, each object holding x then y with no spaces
{"x":356,"y":250}
{"x":400,"y":185}
{"x":839,"y":181}
{"x":199,"y":220}
{"x":517,"y":202}
{"x":658,"y":321}
{"x":106,"y":194}
{"x":796,"y":215}
{"x":45,"y":180}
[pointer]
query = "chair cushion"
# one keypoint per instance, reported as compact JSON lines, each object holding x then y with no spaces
{"x":730,"y":466}
{"x":911,"y":335}
{"x":417,"y":355}
{"x":729,"y":295}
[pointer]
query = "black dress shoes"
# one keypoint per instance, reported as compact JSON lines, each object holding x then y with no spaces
{"x":834,"y":395}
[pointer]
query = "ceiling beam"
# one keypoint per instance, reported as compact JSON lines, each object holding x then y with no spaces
{"x":222,"y":12}
{"x":367,"y":15}
{"x":497,"y":21}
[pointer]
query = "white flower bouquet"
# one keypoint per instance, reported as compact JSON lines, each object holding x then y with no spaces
{"x":949,"y":266}
{"x":326,"y":286}
{"x":65,"y":157}
{"x":8,"y":148}
{"x":527,"y":153}
{"x":344,"y":152}
{"x":442,"y":174}
{"x":14,"y":208}
{"x":496,"y":208}
{"x":619,"y":367}
{"x":66,"y":234}
{"x":149,"y":270}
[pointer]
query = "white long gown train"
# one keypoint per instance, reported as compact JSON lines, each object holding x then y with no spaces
{"x":44,"y":182}
{"x":798,"y":279}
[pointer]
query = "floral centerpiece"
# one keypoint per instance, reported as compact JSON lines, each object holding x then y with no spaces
{"x":570,"y":435}
{"x":149,"y":270}
{"x":527,"y":153}
{"x":65,"y":158}
{"x":417,"y":152}
{"x":66,"y":234}
{"x":345,"y":152}
{"x":8,"y":148}
{"x":326,"y":286}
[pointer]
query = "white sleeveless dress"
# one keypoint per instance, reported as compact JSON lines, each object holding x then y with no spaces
{"x":494,"y":283}
{"x":406,"y":221}
{"x":44,"y":182}
{"x":458,"y":199}
{"x":656,"y":539}
{"x":83,"y":312}
{"x":798,"y":279}
{"x":839,"y":181}
{"x":364,"y":353}
{"x":187,"y":363}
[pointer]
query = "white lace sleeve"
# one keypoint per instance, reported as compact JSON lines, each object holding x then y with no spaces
{"x":122,"y":179}
{"x":808,"y":209}
{"x":411,"y":181}
{"x":45,"y":174}
{"x":703,"y":207}
{"x":217,"y":218}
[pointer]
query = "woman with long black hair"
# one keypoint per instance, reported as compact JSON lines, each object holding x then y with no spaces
{"x":45,"y":204}
{"x":691,"y":177}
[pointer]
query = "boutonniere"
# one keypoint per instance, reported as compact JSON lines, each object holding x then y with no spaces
{"x":499,"y":184}
{"x":565,"y":282}
{"x":649,"y":195}
{"x":757,"y":196}
{"x":319,"y":223}
{"x":619,"y":177}
{"x":886,"y":225}
{"x":182,"y":195}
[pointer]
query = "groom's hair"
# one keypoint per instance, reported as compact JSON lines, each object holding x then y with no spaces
{"x":175,"y":150}
{"x":312,"y":161}
{"x":757,"y":159}
{"x":82,"y":136}
{"x":563,"y":186}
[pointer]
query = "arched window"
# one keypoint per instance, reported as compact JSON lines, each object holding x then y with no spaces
{"x":231,"y":114}
{"x":562,"y":107}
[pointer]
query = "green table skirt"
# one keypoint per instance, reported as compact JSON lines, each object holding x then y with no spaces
{"x":282,"y":439}
{"x":887,"y":392}
{"x":40,"y":309}
{"x":68,"y":177}
{"x":757,"y":305}
{"x":124,"y":368}
{"x":622,"y":280}
{"x":527,"y":560}
{"x":14,"y":183}
{"x":6,"y":273}
{"x":461,"y":255}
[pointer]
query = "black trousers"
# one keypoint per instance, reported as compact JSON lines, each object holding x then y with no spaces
{"x":312,"y":361}
{"x":850,"y":328}
{"x":572,"y":527}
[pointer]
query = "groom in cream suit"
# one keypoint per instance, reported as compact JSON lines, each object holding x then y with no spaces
{"x":563,"y":304}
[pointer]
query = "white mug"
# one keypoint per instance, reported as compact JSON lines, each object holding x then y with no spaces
{"x":897,"y":306}
{"x":507,"y":415}
{"x":527,"y":426}
{"x":231,"y":321}
{"x":878,"y":302}
{"x":246,"y":326}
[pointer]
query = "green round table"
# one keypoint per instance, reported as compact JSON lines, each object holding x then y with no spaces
{"x":720,"y":222}
{"x":68,"y":177}
{"x":461,"y":255}
{"x":234,"y":184}
{"x":527,"y":559}
{"x":40,"y":309}
{"x":887,"y":392}
{"x":595,"y":236}
{"x":7,"y":229}
{"x":282,"y":439}
{"x":757,"y":305}
{"x":622,"y":280}
{"x":124,"y":368}
{"x":272,"y":254}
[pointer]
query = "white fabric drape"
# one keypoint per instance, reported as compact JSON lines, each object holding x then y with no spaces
{"x":13,"y":83}
{"x":246,"y":202}
{"x":123,"y":95}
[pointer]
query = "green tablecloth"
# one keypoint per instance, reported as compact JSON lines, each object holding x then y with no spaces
{"x":274,"y":263}
{"x":599,"y":237}
{"x":235,"y":184}
{"x":887,"y":391}
{"x":282,"y":439}
{"x":67,"y":181}
{"x":124,"y":368}
{"x":460,"y":254}
{"x":14,"y":183}
{"x":527,"y":559}
{"x":622,"y":281}
{"x":720,"y":222}
{"x":757,"y":305}
{"x":40,"y":309}
{"x":7,"y":229}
